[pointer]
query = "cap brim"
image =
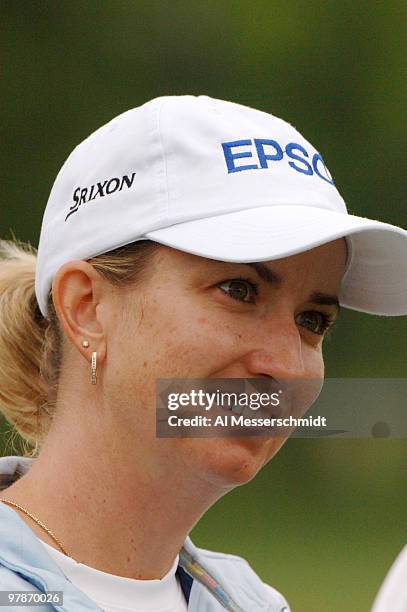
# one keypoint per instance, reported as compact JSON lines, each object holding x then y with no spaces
{"x":376,"y":276}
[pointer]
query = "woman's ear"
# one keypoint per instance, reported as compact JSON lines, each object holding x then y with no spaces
{"x":77,"y":290}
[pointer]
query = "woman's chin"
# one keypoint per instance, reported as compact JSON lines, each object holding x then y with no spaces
{"x":230,"y":462}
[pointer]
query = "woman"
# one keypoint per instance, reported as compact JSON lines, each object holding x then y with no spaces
{"x":187,"y":238}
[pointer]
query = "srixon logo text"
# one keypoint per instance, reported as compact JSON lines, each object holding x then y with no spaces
{"x":81,"y":195}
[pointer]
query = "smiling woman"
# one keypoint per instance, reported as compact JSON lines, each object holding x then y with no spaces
{"x":225,"y":256}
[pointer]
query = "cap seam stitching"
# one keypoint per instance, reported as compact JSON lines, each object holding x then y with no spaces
{"x":230,"y":212}
{"x":164,"y":160}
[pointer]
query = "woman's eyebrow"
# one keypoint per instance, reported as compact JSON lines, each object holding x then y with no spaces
{"x":274,"y":279}
{"x":327,"y":299}
{"x":266,"y":274}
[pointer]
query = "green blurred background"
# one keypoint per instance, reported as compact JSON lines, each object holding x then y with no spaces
{"x":324,"y":520}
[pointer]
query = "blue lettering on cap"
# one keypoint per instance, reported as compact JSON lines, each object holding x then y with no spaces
{"x":230,"y":157}
{"x":293,"y":151}
{"x":290,"y":149}
{"x":263,"y":157}
{"x":327,"y":175}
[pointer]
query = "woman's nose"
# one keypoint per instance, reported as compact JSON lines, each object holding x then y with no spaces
{"x":279,"y":354}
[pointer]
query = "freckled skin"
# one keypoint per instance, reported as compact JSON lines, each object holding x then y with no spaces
{"x":191,"y":329}
{"x":179,"y":321}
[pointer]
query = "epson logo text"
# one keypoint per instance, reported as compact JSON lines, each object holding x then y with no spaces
{"x":264,"y":152}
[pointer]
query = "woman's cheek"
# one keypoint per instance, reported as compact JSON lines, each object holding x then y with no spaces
{"x":315,"y":363}
{"x":217,"y":335}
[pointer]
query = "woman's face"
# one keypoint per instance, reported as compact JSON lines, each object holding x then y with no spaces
{"x":192,"y":317}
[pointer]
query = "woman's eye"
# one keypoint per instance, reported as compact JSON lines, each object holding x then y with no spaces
{"x":317,"y":322}
{"x":240,"y":289}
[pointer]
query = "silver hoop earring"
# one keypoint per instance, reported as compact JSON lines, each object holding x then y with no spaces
{"x":94,"y":357}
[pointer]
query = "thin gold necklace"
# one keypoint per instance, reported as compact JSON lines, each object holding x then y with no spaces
{"x":187,"y":562}
{"x":40,"y":523}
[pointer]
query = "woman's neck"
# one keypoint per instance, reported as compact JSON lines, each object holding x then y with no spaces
{"x":111,"y":510}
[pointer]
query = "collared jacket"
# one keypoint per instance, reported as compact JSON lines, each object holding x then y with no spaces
{"x":25,"y":565}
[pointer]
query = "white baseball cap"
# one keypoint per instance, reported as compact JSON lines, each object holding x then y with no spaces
{"x":219,"y":180}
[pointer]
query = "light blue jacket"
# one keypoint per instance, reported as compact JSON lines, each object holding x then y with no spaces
{"x":25,"y":565}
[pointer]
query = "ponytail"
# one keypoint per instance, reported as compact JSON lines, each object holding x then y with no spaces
{"x":31,"y":345}
{"x":23,"y":390}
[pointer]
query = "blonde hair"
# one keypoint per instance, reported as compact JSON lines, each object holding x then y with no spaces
{"x":31,"y":345}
